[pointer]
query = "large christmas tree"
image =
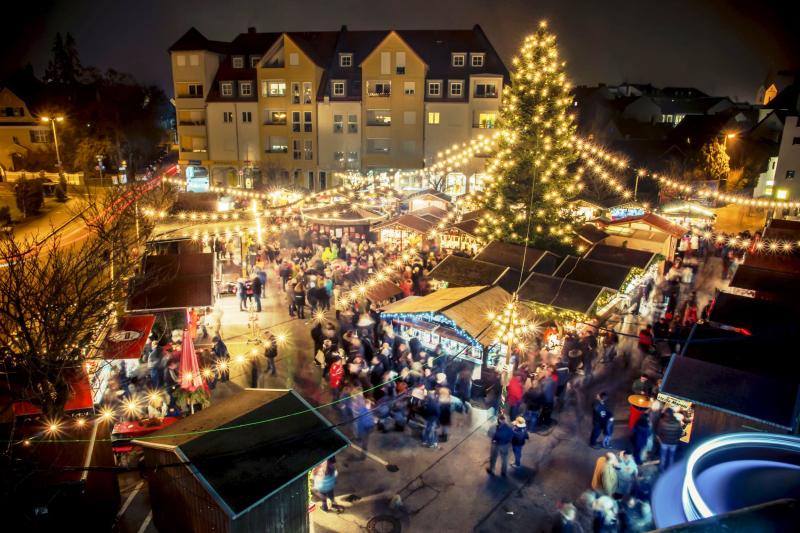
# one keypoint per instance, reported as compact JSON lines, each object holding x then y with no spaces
{"x":530,"y":181}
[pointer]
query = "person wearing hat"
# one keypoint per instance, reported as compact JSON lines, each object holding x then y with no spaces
{"x":518,"y":440}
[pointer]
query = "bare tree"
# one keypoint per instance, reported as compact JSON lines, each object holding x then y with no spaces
{"x":55,"y":298}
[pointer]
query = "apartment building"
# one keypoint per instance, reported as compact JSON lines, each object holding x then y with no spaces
{"x":304,"y":107}
{"x":20,"y":132}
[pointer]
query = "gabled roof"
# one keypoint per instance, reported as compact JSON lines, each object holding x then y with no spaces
{"x":594,"y":272}
{"x":193,"y":40}
{"x":409,"y":221}
{"x":620,"y":256}
{"x":463,"y":272}
{"x":245,"y":448}
{"x":656,"y":221}
{"x":343,"y":215}
{"x":753,"y":314}
{"x":430,"y":210}
{"x":591,"y":233}
{"x":317,"y":45}
{"x":511,"y":255}
{"x":431,"y":192}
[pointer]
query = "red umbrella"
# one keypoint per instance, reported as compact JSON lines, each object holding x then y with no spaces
{"x":191,"y":378}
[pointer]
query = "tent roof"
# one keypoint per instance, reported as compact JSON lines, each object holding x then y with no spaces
{"x":593,"y":272}
{"x":511,"y":255}
{"x":463,"y":272}
{"x":434,"y":302}
{"x":383,"y":290}
{"x":247,"y":447}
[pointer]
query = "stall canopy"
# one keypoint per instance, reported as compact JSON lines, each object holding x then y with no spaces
{"x":599,"y":273}
{"x":753,"y":315}
{"x":173,"y":282}
{"x":720,"y":369}
{"x":431,"y":212}
{"x":591,"y":234}
{"x":459,"y":271}
{"x":278,"y":438}
{"x":383,"y":290}
{"x":511,"y":255}
{"x":620,"y":256}
{"x":127,"y":339}
{"x":561,"y":293}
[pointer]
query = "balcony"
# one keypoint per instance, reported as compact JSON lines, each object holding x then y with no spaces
{"x":277,"y":150}
{"x":192,"y":122}
{"x":379,"y":89}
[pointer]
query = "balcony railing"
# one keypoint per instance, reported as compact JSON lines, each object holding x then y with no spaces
{"x":277,"y":150}
{"x":189,"y":122}
{"x":269,"y":122}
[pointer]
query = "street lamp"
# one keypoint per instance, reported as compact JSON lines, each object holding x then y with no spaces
{"x":52,"y":121}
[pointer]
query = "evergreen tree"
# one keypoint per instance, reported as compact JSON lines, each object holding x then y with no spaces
{"x":529,"y":173}
{"x":65,"y":65}
{"x":714,"y":160}
{"x":29,"y":195}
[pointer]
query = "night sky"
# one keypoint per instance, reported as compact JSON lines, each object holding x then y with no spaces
{"x":723,"y":48}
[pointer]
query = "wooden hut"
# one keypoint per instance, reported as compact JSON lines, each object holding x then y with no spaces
{"x":429,"y":198}
{"x":405,"y":230}
{"x":240,"y":465}
{"x":337,"y":221}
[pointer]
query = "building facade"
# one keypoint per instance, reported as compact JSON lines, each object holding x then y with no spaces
{"x":305,"y":108}
{"x":20,"y":132}
{"x":787,"y":169}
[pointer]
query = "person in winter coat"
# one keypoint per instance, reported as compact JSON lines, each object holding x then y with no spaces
{"x":430,"y":412}
{"x":640,"y":436}
{"x":324,"y":483}
{"x":299,"y":295}
{"x":626,"y":474}
{"x":514,"y":396}
{"x":518,"y":439}
{"x":364,"y":422}
{"x":669,"y":432}
{"x":335,"y":375}
{"x":602,"y":421}
{"x":445,"y":412}
{"x":271,"y":352}
{"x":257,"y":287}
{"x":222,"y":358}
{"x":636,"y":515}
{"x":501,"y":442}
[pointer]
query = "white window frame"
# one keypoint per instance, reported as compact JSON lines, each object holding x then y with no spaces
{"x":434,"y":117}
{"x":308,"y":93}
{"x":297,"y":150}
{"x":438,"y":85}
{"x":352,"y":125}
{"x":481,"y":57}
{"x":338,"y":123}
{"x":486,"y":84}
{"x":227,"y":117}
{"x":237,"y":61}
{"x":343,"y":85}
{"x":458,"y":57}
{"x":345,"y":60}
{"x":297,"y":121}
{"x":226,"y":88}
{"x":308,"y":121}
{"x":267,"y":84}
{"x":296,"y":93}
{"x":246,"y":85}
{"x":247,"y":117}
{"x":451,"y":85}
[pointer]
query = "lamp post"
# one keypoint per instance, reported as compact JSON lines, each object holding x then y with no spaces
{"x":52,"y":121}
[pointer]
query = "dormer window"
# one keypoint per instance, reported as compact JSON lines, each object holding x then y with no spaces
{"x":459,"y":60}
{"x":476,"y":60}
{"x":338,"y":88}
{"x":237,"y":62}
{"x":226,"y":88}
{"x":246,"y":88}
{"x":254,"y":61}
{"x":345,"y":60}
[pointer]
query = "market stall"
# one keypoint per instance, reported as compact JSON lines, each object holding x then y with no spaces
{"x":687,"y":214}
{"x":429,"y":198}
{"x":405,"y":230}
{"x":647,"y":232}
{"x":352,"y":221}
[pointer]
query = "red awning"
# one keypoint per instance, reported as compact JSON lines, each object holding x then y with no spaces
{"x":80,"y":399}
{"x":127,"y":340}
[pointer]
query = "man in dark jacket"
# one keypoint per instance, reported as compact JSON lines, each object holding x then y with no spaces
{"x":271,"y":352}
{"x":430,"y":411}
{"x":669,"y":433}
{"x":222,"y":358}
{"x":257,"y":287}
{"x":602,"y":421}
{"x":501,"y":442}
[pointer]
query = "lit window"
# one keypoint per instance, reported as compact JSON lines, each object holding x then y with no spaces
{"x":434,"y":88}
{"x":456,"y":88}
{"x":459,"y":60}
{"x":238,"y":62}
{"x":477,"y":60}
{"x":338,"y":88}
{"x":306,"y":92}
{"x":345,"y":60}
{"x":39,"y":136}
{"x":278,"y":145}
{"x":226,"y":87}
{"x":276,"y":117}
{"x":486,"y":120}
{"x":274,"y":88}
{"x":782,"y":194}
{"x":379,"y":117}
{"x":433,"y":117}
{"x":180,"y":60}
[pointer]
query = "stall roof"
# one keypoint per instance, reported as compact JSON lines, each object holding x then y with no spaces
{"x":338,"y":215}
{"x":511,"y":255}
{"x":469,"y":227}
{"x":431,"y":192}
{"x":559,"y":292}
{"x":781,"y":228}
{"x":435,"y":302}
{"x":591,"y":233}
{"x":383,"y":290}
{"x":654,"y":221}
{"x":409,"y":221}
{"x":753,"y":314}
{"x":620,"y":256}
{"x":780,"y":261}
{"x":431,"y":211}
{"x":718,"y":369}
{"x":462,"y":272}
{"x":593,"y":272}
{"x":245,"y":448}
{"x":782,"y":284}
{"x":173,"y":282}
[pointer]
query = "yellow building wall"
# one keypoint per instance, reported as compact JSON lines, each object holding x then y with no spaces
{"x":304,"y":71}
{"x":399,"y":103}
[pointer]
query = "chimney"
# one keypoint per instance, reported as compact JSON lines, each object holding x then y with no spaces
{"x":251,"y":29}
